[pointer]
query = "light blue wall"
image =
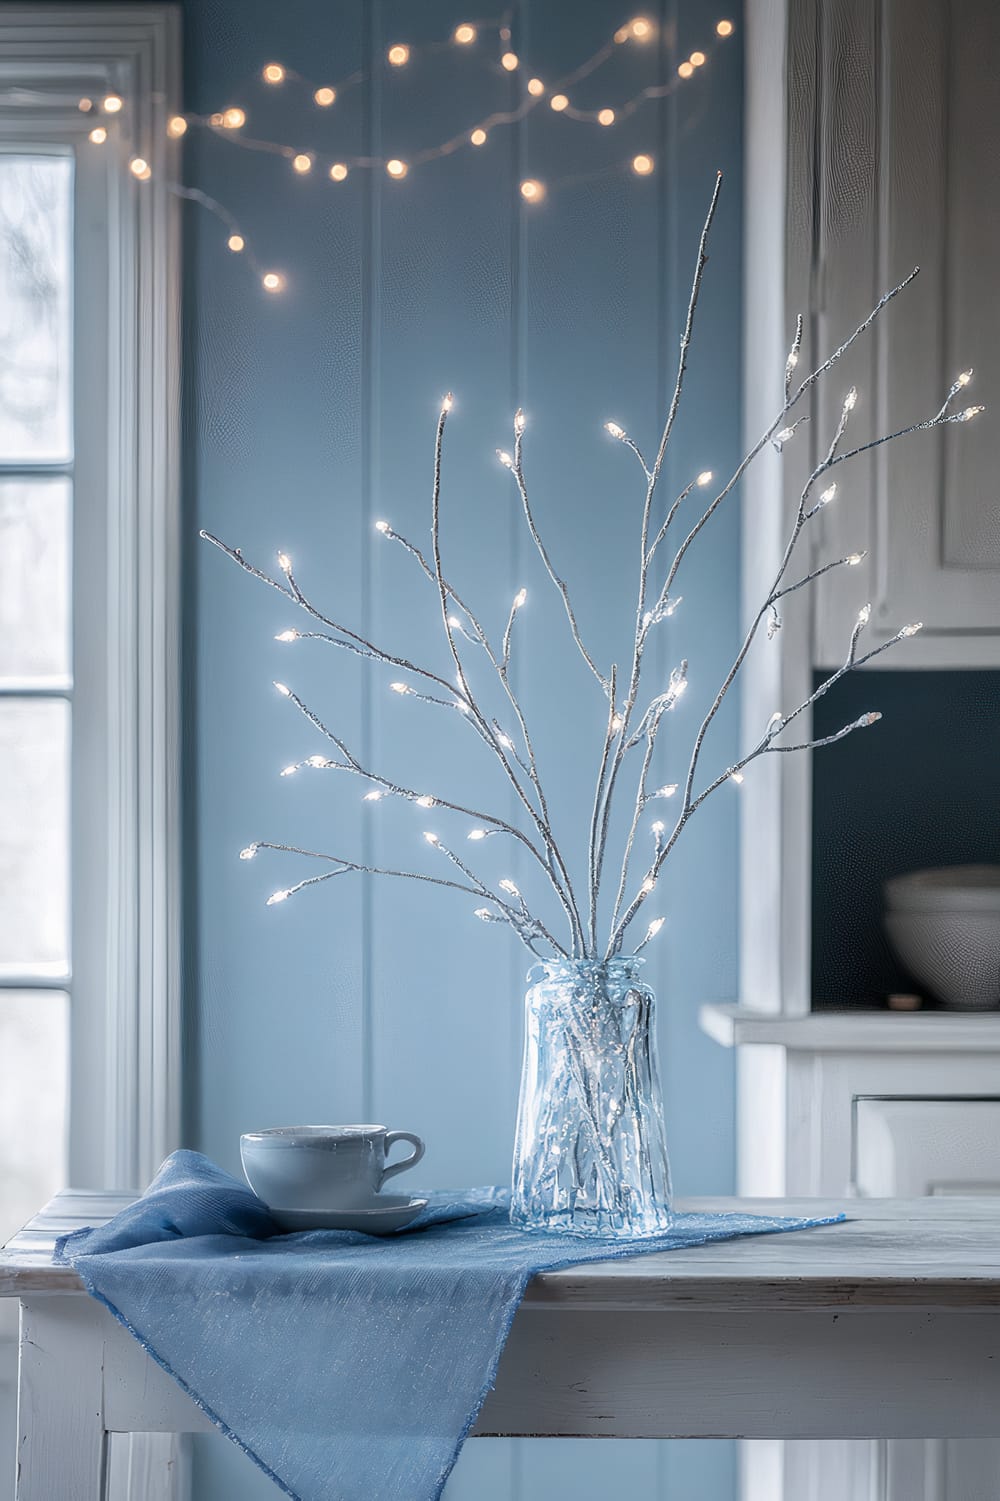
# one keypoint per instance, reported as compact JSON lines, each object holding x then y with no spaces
{"x":309,"y":416}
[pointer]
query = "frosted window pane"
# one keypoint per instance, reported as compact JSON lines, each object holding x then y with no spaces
{"x":34,"y":830}
{"x":34,"y":1035}
{"x":35,"y":311}
{"x":34,"y":578}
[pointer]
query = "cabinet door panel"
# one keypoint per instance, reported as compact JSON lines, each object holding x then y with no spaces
{"x":906,"y":1148}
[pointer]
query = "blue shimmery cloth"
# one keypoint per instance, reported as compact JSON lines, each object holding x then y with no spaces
{"x":349,"y":1368}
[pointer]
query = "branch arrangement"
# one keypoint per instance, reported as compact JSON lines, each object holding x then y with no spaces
{"x":632,"y":718}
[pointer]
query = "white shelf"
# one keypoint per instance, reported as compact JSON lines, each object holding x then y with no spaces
{"x":855,"y":1030}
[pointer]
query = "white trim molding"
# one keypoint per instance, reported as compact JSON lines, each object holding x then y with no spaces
{"x":126,"y":1031}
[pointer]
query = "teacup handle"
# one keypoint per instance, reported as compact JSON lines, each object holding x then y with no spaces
{"x":400,"y":1167}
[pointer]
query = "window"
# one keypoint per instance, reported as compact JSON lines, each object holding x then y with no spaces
{"x":89,"y":670}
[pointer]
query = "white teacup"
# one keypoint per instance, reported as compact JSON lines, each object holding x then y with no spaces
{"x":322,"y":1167}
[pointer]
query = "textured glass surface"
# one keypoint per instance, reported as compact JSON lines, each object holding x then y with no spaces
{"x":35,"y":307}
{"x":34,"y":1035}
{"x":590,"y":1156}
{"x":34,"y":831}
{"x":34,"y":579}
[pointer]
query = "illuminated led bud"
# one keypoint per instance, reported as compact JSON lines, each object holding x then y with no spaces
{"x":738,"y":778}
{"x":659,"y":826}
{"x":855,"y":558}
{"x":465,"y":34}
{"x":285,"y":692}
{"x":519,"y":598}
{"x":287,"y":636}
{"x":872,"y":717}
{"x":775,"y":721}
{"x":454,"y":623}
{"x":792,"y":361}
{"x":784,"y":435}
{"x":249,"y":852}
{"x":476,"y":834}
{"x":319,"y":761}
{"x":382,"y":526}
{"x":667,"y":790}
{"x":289,"y":771}
{"x":485,"y":915}
{"x":911,"y":630}
{"x":284,"y":562}
{"x":373,"y":797}
{"x":401,"y":688}
{"x":864,"y":614}
{"x":519,"y":422}
{"x":505,"y":458}
{"x":447,"y":402}
{"x":965,"y":377}
{"x":654,"y":927}
{"x":536,"y":87}
{"x":969,"y":413}
{"x":647,"y":886}
{"x":705,"y":477}
{"x":614,"y":430}
{"x":827,"y":496}
{"x":509,"y":887}
{"x":505,"y":741}
{"x":431,"y":838}
{"x":277,"y":896}
{"x":616,"y":724}
{"x":850,"y":400}
{"x":426,"y":801}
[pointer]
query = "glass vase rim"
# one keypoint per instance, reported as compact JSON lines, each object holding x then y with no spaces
{"x":560,"y":966}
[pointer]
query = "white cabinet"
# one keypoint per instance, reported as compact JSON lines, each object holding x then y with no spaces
{"x":907,"y":154}
{"x":908,"y":1147}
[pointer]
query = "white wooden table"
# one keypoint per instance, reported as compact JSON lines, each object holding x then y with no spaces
{"x":885,"y":1327}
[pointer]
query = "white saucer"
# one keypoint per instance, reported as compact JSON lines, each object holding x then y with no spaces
{"x":382,"y":1217}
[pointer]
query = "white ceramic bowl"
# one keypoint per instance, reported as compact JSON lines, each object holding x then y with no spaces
{"x":955,"y":955}
{"x":954,"y":888}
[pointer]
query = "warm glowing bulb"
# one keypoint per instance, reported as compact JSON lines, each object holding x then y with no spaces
{"x":622,"y":34}
{"x":289,"y":771}
{"x":616,"y":723}
{"x":400,"y":687}
{"x":606,"y":117}
{"x":249,"y":852}
{"x":520,"y":598}
{"x":85,"y":106}
{"x":685,"y":69}
{"x":505,"y":741}
{"x":850,"y":400}
{"x":399,"y":55}
{"x":971,"y":412}
{"x":696,"y":59}
{"x":647,"y":886}
{"x":641,"y":28}
{"x":284,"y":562}
{"x":285,"y":692}
{"x":509,"y":887}
{"x":431,"y":838}
{"x":536,"y":87}
{"x":911,"y":630}
{"x":277,"y":896}
{"x":642,"y":164}
{"x":302,"y":162}
{"x":272,"y":281}
{"x":98,"y":135}
{"x":325,"y":97}
{"x":287,"y":636}
{"x":236,"y":243}
{"x":382,"y":526}
{"x":659,"y":826}
{"x":666,"y":791}
{"x":176,"y":126}
{"x":614,"y":430}
{"x":854,"y":559}
{"x":338,"y":171}
{"x":655,"y":927}
{"x":373,"y":797}
{"x":426,"y":802}
{"x":396,"y":168}
{"x":465,"y":34}
{"x":532,"y":190}
{"x":478,"y":137}
{"x":724,"y":28}
{"x":476,"y":834}
{"x":111,"y":104}
{"x":705,"y":477}
{"x":216,"y":119}
{"x":140,"y":168}
{"x":485,"y":914}
{"x":965,"y":377}
{"x":274,"y":73}
{"x":318,"y":762}
{"x":738,"y":778}
{"x":509,"y":61}
{"x":558,"y":102}
{"x":864,"y":614}
{"x":792,"y":360}
{"x":232,"y":119}
{"x":519,"y":421}
{"x":827,"y":495}
{"x":505,"y":459}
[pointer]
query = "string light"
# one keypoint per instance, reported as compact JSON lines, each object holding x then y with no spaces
{"x":338,"y":172}
{"x":465,"y":34}
{"x":508,"y":886}
{"x":236,"y":243}
{"x":850,"y":400}
{"x":447,"y":402}
{"x":373,"y":797}
{"x":288,"y":771}
{"x":509,"y":61}
{"x":324,"y":97}
{"x":112,"y":104}
{"x":396,"y":168}
{"x":667,"y":790}
{"x":642,"y":164}
{"x":738,"y":778}
{"x":505,"y":458}
{"x":291,"y":635}
{"x":615,"y":430}
{"x":969,"y":413}
{"x":302,"y":162}
{"x":425,"y":801}
{"x":274,"y":73}
{"x":685,"y":69}
{"x":536,"y":88}
{"x":176,"y":127}
{"x":724,"y":28}
{"x":641,"y":28}
{"x":654,"y":927}
{"x":276,"y":897}
{"x":534,"y":191}
{"x":659,"y":826}
{"x":285,"y":692}
{"x":697,"y":59}
{"x":140,"y":168}
{"x":705,"y":477}
{"x":911,"y":630}
{"x":233,"y":119}
{"x":249,"y":852}
{"x":520,"y":598}
{"x":854,"y":559}
{"x":476,"y":834}
{"x":399,"y":55}
{"x":432,"y":838}
{"x":382,"y":526}
{"x":400,"y":688}
{"x":98,"y":135}
{"x":85,"y":106}
{"x":864,"y":615}
{"x":284,"y":563}
{"x":273,"y":281}
{"x":965,"y":377}
{"x":558,"y":102}
{"x":478,"y":137}
{"x":606,"y":117}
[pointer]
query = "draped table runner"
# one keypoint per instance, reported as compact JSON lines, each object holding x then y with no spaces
{"x":348,"y":1367}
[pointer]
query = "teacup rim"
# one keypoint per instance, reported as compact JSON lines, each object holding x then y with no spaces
{"x":294,"y":1135}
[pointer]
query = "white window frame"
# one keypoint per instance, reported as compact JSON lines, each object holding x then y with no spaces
{"x":125,"y":1076}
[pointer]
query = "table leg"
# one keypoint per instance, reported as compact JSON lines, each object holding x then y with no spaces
{"x":62,"y":1445}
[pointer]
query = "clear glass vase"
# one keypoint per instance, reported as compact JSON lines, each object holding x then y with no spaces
{"x":590,"y":1156}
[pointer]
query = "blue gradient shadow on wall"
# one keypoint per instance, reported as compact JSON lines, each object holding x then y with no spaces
{"x":309,"y":416}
